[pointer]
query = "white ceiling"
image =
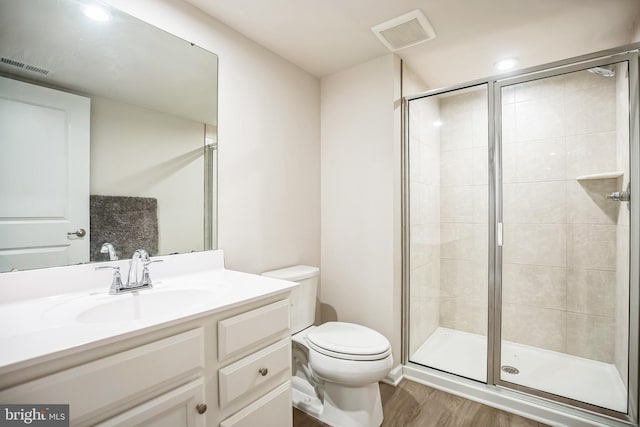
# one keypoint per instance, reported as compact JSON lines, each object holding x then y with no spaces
{"x":325,"y":36}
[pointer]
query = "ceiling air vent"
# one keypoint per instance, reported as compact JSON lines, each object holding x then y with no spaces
{"x":23,"y":66}
{"x":404,"y":31}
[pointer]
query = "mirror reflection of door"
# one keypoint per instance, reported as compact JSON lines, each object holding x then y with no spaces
{"x":44,"y":176}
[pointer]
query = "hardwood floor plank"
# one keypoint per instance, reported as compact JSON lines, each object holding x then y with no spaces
{"x":415,"y":405}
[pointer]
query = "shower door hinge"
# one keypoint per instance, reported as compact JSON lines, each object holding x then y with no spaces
{"x":499,"y":234}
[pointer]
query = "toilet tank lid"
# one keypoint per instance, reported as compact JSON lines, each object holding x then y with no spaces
{"x":294,"y":274}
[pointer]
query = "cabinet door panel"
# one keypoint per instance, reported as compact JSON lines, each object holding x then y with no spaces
{"x":271,"y":410}
{"x":176,"y":408}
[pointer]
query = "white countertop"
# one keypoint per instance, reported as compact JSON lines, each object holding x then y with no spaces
{"x":38,"y":329}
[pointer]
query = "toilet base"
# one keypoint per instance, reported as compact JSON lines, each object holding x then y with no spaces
{"x":342,"y":406}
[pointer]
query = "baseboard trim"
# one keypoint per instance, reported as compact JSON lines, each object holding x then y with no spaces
{"x":394,"y":376}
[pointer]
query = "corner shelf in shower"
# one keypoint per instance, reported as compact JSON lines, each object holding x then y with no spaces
{"x":604,"y":175}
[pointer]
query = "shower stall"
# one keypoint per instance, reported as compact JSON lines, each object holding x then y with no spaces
{"x":521,"y":234}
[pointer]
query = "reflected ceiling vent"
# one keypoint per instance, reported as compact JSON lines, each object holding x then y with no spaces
{"x":24,"y":66}
{"x":404,"y":31}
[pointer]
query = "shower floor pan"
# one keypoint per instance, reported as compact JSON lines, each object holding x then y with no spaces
{"x":586,"y":380}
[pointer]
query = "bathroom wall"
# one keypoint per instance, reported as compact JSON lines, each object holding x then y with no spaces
{"x":559,"y":254}
{"x":269,"y":142}
{"x":424,"y":214}
{"x":145,"y":153}
{"x":360,"y":164}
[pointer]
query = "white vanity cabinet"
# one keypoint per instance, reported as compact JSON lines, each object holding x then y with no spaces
{"x":230,"y":368}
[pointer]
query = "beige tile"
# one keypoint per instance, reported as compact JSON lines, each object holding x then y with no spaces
{"x":591,"y":246}
{"x":424,"y":281}
{"x":541,"y":118}
{"x":480,"y":285}
{"x":480,"y":244}
{"x":456,"y":241}
{"x":508,"y":123}
{"x":508,"y":94}
{"x":583,"y":80}
{"x":539,"y":286}
{"x":536,"y":244}
{"x":532,"y":161}
{"x":424,"y":318}
{"x":535,"y":203}
{"x":464,"y":314}
{"x":550,"y":87}
{"x":590,"y":111}
{"x":480,"y":204}
{"x":587,"y":201}
{"x":457,"y":134}
{"x":456,"y":278}
{"x":424,"y":203}
{"x":456,"y":204}
{"x":480,"y":127}
{"x":455,"y":168}
{"x":590,"y":154}
{"x":590,"y":336}
{"x":591,"y":291}
{"x":480,"y":160}
{"x":534,"y":326}
{"x":424,"y":244}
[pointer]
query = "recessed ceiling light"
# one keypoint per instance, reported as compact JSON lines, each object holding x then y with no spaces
{"x":97,"y":13}
{"x":506,"y":64}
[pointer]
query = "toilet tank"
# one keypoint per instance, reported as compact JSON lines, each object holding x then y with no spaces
{"x":303,"y":297}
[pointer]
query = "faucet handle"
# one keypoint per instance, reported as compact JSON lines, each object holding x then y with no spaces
{"x":146,"y":278}
{"x":116,"y":283}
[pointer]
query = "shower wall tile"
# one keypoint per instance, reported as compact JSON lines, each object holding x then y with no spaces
{"x":508,"y":95}
{"x":535,"y":244}
{"x":455,"y":168}
{"x":534,"y":285}
{"x":464,"y":314}
{"x":535,"y":203}
{"x":425,"y":280}
{"x":552,"y":87}
{"x":590,"y":336}
{"x":424,"y":244}
{"x":591,"y":291}
{"x":456,"y":278}
{"x":424,"y":318}
{"x":481,"y":125}
{"x":534,"y":326}
{"x":533,"y":161}
{"x":590,"y":154}
{"x":480,"y":285}
{"x":456,"y":134}
{"x":508,"y":119}
{"x":456,"y":241}
{"x":592,"y":110}
{"x":587,"y":201}
{"x":480,"y":204}
{"x":541,"y":118}
{"x":423,"y":210}
{"x":480,"y":166}
{"x":591,"y":246}
{"x":456,"y":204}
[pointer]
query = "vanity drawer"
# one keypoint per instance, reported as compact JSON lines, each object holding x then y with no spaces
{"x":113,"y":380}
{"x":240,"y":332}
{"x":272,"y":409}
{"x":272,"y":364}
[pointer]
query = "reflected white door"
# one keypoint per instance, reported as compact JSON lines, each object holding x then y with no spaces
{"x":44,"y":176}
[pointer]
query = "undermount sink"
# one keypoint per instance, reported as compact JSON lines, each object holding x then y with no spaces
{"x":139,"y":305}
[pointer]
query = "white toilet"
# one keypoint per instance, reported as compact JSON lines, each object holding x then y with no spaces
{"x":337,"y":365}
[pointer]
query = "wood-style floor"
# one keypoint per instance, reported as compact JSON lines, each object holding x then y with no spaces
{"x":416,"y":405}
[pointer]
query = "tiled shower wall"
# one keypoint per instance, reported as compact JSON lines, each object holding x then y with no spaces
{"x":424,"y":212}
{"x":559,"y":253}
{"x":463,"y":163}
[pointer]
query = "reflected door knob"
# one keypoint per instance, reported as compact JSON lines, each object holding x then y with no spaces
{"x":80,"y":232}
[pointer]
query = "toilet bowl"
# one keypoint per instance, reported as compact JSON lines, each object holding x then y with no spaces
{"x":337,"y":365}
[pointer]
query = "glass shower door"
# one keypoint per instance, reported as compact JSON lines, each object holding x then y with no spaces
{"x":564,"y":228}
{"x":448,"y":231}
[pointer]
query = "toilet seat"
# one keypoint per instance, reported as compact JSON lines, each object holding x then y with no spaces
{"x":348,"y":341}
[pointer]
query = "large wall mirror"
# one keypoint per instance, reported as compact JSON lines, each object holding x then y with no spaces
{"x":108,"y":136}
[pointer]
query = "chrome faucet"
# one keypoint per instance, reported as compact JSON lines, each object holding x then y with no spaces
{"x":135,"y":281}
{"x":107,"y":248}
